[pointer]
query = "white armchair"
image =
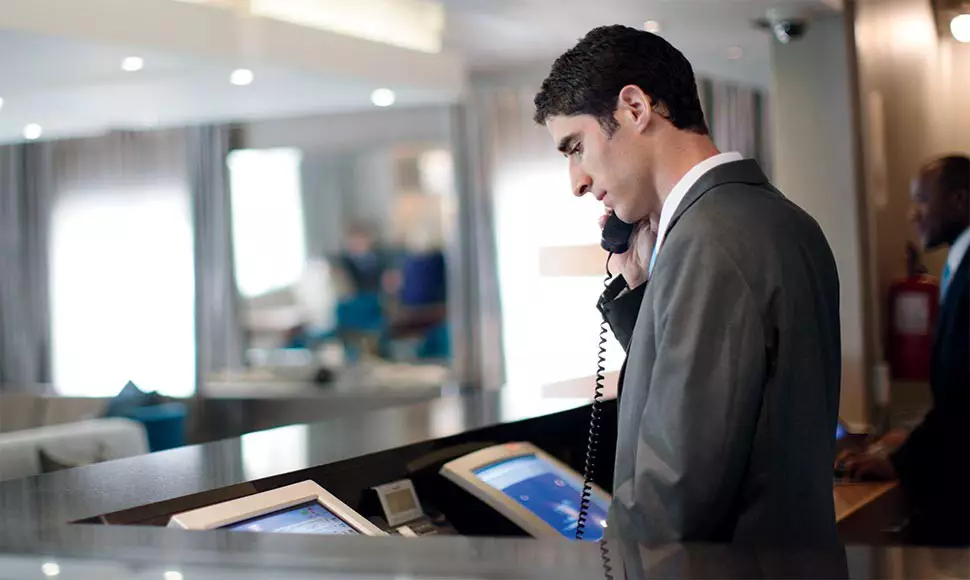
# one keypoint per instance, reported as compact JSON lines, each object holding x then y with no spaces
{"x":76,"y":444}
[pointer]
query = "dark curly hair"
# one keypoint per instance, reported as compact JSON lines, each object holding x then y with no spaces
{"x":587,"y":79}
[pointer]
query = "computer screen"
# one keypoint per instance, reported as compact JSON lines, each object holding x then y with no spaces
{"x":308,"y":518}
{"x":840,"y":432}
{"x":547,"y":492}
{"x":401,"y":500}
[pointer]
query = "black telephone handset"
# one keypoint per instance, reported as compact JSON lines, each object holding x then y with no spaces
{"x":616,"y":235}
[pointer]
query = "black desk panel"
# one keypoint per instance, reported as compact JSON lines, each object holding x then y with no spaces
{"x":235,"y":467}
{"x":563,"y":434}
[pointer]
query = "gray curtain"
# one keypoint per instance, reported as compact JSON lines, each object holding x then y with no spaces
{"x":327,"y":178}
{"x":476,"y":312}
{"x":737,"y":115}
{"x":25,"y":207}
{"x":219,"y":335}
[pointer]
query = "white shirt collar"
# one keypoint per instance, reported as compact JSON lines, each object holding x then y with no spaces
{"x":683,"y":186}
{"x":957,"y":251}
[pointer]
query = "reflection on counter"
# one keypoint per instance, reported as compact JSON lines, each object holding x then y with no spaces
{"x":288,"y":557}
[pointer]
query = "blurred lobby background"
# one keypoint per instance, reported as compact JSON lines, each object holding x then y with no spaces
{"x":269,"y":212}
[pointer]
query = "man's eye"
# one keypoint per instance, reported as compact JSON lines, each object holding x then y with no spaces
{"x":577,"y":151}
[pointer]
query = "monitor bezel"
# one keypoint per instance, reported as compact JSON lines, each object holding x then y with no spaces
{"x":461,"y":471}
{"x":265,"y":503}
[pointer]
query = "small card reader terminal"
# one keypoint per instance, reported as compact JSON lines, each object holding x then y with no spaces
{"x":402,"y":509}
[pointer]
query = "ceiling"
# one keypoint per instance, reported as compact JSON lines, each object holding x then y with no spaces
{"x":495,"y":34}
{"x":66,"y":75}
{"x":73,"y":87}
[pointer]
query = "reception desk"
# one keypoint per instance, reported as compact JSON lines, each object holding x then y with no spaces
{"x":113,"y":514}
{"x":853,"y":498}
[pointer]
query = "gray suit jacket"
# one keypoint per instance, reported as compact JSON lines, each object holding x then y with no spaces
{"x":730,"y":390}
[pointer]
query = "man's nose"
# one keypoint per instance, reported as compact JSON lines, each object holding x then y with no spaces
{"x":581,"y":183}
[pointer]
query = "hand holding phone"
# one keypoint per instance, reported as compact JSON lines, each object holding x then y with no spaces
{"x":632,"y":261}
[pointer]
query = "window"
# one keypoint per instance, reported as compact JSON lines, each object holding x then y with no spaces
{"x":267,"y":219}
{"x":550,"y":324}
{"x":123,"y":291}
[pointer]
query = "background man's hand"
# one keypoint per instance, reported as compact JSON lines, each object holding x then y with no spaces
{"x":873,"y":462}
{"x":870,"y":466}
{"x":635,"y":263}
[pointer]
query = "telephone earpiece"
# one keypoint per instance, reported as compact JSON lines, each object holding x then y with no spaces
{"x":616,"y":235}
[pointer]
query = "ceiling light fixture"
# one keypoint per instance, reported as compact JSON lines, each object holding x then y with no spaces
{"x":735,"y":53}
{"x":33,"y":131}
{"x":133,"y":64}
{"x":652,"y":26}
{"x":414,"y":24}
{"x":172,"y":575}
{"x":1,"y":102}
{"x":242,"y":77}
{"x":960,"y":27}
{"x":50,"y":569}
{"x":383,"y":97}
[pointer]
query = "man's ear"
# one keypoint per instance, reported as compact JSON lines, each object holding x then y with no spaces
{"x":633,"y":108}
{"x":962,"y":200}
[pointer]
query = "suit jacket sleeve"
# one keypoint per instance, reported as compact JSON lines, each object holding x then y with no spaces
{"x":944,"y":434}
{"x":919,"y":460}
{"x":706,"y":389}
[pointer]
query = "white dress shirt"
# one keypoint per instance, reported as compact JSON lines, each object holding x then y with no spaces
{"x":957,"y":251}
{"x":680,"y":190}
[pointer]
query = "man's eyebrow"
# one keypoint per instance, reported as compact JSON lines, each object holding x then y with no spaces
{"x":566,"y":143}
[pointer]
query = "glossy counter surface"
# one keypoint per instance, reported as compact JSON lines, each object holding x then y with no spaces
{"x":55,"y":499}
{"x":34,"y":516}
{"x":106,"y":553}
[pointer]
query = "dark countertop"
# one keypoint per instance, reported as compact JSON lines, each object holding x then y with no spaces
{"x":107,"y":553}
{"x":34,"y":516}
{"x":54,"y":499}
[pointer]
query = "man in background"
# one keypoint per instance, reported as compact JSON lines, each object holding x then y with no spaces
{"x":364,"y":262}
{"x":933,"y":461}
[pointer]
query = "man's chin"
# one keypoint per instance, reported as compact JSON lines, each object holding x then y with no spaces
{"x":623,"y":213}
{"x":628,"y":216}
{"x":621,"y":216}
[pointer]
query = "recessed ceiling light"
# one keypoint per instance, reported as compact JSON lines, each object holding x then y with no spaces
{"x":50,"y":569}
{"x":651,"y":26}
{"x":133,"y":64}
{"x":242,"y":77}
{"x":960,"y":27}
{"x":1,"y":102}
{"x":172,"y":575}
{"x":383,"y":97}
{"x":33,"y":131}
{"x":735,"y":53}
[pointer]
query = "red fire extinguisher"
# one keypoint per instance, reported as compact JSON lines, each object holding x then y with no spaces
{"x":913,"y":304}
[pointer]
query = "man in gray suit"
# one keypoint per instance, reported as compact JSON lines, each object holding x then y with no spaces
{"x":728,"y":307}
